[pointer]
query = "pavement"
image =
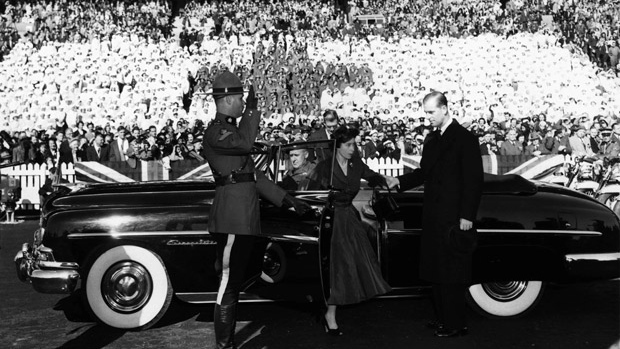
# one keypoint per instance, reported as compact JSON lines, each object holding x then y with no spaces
{"x":585,"y":315}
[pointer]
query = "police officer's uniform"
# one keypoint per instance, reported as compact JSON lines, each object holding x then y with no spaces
{"x":234,"y":219}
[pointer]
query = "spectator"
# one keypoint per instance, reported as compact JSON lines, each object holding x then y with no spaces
{"x":97,"y":151}
{"x":119,"y":146}
{"x":610,"y":147}
{"x":580,"y":144}
{"x":511,"y":146}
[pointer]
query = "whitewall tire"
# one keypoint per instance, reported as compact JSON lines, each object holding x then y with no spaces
{"x":128,"y":287}
{"x":505,"y":299}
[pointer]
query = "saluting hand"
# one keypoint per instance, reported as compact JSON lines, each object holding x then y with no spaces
{"x":251,"y":102}
{"x":465,"y":224}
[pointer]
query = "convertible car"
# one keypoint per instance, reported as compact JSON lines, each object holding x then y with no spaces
{"x":132,"y":247}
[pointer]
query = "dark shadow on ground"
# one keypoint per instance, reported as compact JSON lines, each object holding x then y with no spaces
{"x":73,"y":307}
{"x":262,"y":329}
{"x":98,"y":336}
{"x":181,"y":311}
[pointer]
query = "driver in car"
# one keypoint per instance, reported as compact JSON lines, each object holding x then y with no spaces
{"x":297,"y":177}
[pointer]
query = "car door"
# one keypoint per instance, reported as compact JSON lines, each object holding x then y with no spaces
{"x":290,"y":267}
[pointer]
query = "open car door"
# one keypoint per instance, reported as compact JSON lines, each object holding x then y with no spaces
{"x":290,"y":267}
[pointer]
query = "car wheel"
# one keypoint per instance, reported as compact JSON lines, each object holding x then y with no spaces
{"x":505,"y":299}
{"x":274,"y":264}
{"x":128,"y":287}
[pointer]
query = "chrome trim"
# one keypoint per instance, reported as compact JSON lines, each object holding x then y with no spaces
{"x":37,"y":266}
{"x":291,"y":238}
{"x":536,"y":231}
{"x":601,"y":257}
{"x":54,"y":281}
{"x":294,"y":238}
{"x":58,"y":265}
{"x":512,"y":231}
{"x":140,"y":233}
{"x":397,"y":296}
{"x":211,"y":297}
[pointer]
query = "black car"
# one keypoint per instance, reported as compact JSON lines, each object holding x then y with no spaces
{"x":131,"y":247}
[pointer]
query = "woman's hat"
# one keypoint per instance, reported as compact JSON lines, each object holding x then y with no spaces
{"x":226,"y":84}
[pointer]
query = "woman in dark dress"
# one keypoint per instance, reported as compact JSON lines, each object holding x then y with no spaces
{"x":355,"y":273}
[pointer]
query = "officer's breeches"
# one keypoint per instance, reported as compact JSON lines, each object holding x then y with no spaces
{"x":236,"y":255}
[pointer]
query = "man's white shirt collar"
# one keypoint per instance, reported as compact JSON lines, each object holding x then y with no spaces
{"x":445,"y":126}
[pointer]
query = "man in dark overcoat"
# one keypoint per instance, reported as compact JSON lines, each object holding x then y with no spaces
{"x":234,"y":218}
{"x":451,"y":171}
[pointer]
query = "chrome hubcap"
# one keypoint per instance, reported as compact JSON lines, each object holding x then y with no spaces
{"x":126,"y":287}
{"x":505,"y":291}
{"x":271,"y":264}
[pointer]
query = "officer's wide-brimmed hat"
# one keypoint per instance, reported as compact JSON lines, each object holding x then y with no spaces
{"x":226,"y":84}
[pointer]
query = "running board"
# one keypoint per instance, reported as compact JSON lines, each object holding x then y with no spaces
{"x":211,"y":297}
{"x":244,"y":297}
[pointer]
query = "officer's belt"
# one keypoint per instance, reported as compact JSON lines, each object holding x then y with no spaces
{"x":234,"y":178}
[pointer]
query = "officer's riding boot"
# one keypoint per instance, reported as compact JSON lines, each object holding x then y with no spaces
{"x":224,"y":323}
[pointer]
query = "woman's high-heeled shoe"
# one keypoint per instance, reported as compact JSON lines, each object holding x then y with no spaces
{"x":330,"y":331}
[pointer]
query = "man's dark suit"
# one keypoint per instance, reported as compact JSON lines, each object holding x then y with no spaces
{"x":319,"y":135}
{"x":371,"y":150}
{"x":91,"y":154}
{"x":65,"y":153}
{"x":595,"y":145}
{"x":115,"y":151}
{"x":451,"y":171}
{"x":319,"y":154}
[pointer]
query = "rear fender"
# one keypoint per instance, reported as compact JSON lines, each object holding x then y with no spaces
{"x":500,"y":263}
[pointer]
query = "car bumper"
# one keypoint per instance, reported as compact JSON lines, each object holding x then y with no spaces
{"x":36,"y":264}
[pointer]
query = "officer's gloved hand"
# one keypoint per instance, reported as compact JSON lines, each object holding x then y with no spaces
{"x":301,"y":207}
{"x":251,"y":102}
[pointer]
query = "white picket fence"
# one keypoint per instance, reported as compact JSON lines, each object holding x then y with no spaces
{"x":32,"y":177}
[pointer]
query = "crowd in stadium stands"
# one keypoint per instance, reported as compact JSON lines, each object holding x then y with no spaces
{"x":81,"y":21}
{"x":8,"y":37}
{"x":595,"y":29}
{"x":104,"y":80}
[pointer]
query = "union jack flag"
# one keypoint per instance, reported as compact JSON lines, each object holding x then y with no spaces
{"x":120,"y":171}
{"x":527,"y":166}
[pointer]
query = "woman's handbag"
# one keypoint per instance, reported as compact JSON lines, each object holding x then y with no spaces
{"x":384,"y":204}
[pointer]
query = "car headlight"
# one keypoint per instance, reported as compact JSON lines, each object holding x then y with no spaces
{"x":38,"y":236}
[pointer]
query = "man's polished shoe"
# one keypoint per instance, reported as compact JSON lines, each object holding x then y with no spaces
{"x":434,"y":325}
{"x":446,"y":332}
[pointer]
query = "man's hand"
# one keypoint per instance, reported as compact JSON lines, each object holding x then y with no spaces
{"x":465,"y":224}
{"x":251,"y":103}
{"x":392,"y":181}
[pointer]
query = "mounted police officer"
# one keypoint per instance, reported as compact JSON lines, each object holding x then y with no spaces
{"x":234,"y":219}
